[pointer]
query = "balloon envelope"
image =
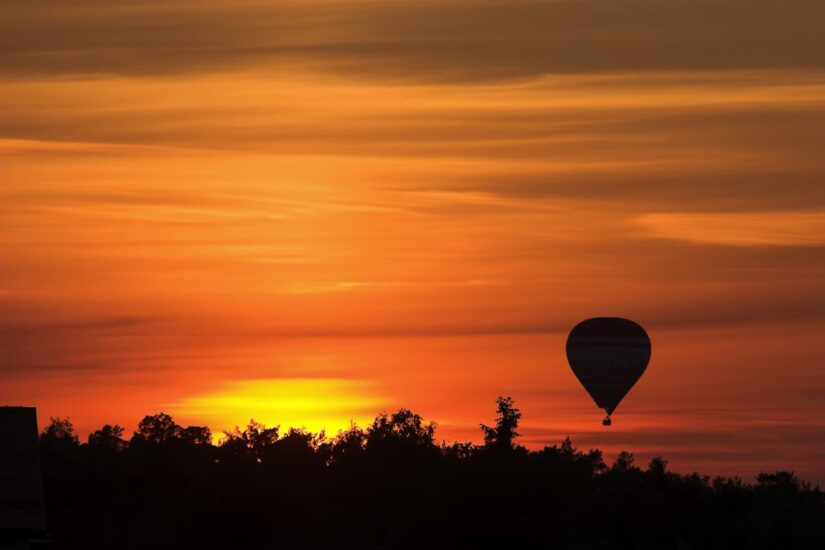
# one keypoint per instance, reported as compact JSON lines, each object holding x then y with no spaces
{"x":608,"y":355}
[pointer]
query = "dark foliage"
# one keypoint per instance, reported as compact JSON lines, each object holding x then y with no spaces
{"x":391,"y":486}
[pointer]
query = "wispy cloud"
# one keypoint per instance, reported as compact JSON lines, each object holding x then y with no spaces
{"x":420,"y":40}
{"x":798,"y":228}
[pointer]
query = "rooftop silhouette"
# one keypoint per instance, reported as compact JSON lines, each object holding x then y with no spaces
{"x":21,"y":491}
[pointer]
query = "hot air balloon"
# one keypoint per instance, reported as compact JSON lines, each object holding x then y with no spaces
{"x":608,"y":355}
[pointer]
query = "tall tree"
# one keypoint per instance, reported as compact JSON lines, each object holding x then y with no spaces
{"x":504,"y":434}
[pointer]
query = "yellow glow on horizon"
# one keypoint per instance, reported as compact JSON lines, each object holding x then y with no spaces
{"x":315,"y":404}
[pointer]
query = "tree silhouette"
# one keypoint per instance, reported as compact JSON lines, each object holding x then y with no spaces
{"x":251,"y":443}
{"x":403,"y":426}
{"x":503,"y":435}
{"x":156,"y":428}
{"x":60,"y":432}
{"x":348,"y":444}
{"x":108,"y":437}
{"x":624,"y":462}
{"x":58,"y":439}
{"x":195,"y":435}
{"x":657,"y":466}
{"x":390,"y":486}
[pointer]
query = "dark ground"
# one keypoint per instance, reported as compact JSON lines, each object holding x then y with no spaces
{"x":391,"y":486}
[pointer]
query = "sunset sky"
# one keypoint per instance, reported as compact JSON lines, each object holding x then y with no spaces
{"x":311,"y":211}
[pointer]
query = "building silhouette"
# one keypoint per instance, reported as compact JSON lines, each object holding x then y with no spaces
{"x":22,"y":515}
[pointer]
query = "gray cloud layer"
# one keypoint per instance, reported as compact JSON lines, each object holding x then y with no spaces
{"x":424,"y":40}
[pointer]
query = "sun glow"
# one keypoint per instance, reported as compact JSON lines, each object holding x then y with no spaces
{"x":315,"y":404}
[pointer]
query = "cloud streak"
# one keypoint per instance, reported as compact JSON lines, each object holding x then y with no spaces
{"x":421,"y":40}
{"x":798,"y":228}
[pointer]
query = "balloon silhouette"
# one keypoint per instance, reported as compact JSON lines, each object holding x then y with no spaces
{"x":608,"y":355}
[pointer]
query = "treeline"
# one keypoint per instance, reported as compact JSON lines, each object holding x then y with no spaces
{"x":391,"y":485}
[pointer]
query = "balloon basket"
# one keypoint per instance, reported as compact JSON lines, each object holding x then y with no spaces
{"x":606,"y":421}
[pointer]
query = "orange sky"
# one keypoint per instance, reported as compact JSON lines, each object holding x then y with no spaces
{"x":309,"y":212}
